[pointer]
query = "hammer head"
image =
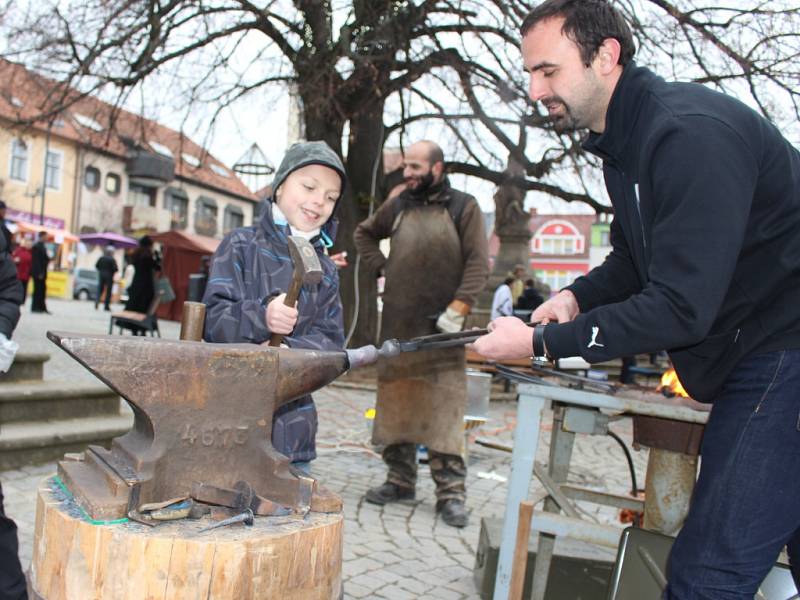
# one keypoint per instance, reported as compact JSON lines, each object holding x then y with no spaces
{"x":307,"y":269}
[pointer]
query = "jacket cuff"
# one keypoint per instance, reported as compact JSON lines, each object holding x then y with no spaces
{"x":561,"y":340}
{"x":584,"y":293}
{"x":461,"y":307}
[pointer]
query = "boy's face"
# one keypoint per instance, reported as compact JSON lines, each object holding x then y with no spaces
{"x":308,"y":196}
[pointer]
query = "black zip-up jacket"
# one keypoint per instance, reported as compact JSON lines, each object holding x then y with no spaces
{"x":705,"y":257}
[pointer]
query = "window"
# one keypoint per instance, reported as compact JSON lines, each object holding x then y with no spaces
{"x":141,"y":195}
{"x":177,"y":203}
{"x":221,"y":171}
{"x":190,"y":159}
{"x":605,"y":238}
{"x":52,"y":169}
{"x":19,"y":161}
{"x":161,"y":149}
{"x":88,"y":122}
{"x":234,"y":218}
{"x":205,"y":218}
{"x":91,"y":178}
{"x":558,"y":279}
{"x":553,"y":245}
{"x":113,"y":184}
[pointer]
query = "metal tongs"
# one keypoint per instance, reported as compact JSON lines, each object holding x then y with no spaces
{"x":441,"y":340}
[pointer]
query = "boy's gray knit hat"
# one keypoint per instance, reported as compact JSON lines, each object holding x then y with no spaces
{"x":301,"y":155}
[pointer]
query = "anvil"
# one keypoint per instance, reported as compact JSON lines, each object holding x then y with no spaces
{"x":202,"y":420}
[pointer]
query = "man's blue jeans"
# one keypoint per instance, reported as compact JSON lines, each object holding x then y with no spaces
{"x":746,"y":505}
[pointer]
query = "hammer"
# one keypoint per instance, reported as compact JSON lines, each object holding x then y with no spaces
{"x":307,"y":270}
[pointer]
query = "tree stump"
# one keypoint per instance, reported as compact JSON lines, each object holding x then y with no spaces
{"x":278,"y":557}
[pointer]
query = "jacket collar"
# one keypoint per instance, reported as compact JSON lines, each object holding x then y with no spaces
{"x":622,"y":114}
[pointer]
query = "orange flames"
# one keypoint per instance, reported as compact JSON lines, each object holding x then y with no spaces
{"x":671,"y":385}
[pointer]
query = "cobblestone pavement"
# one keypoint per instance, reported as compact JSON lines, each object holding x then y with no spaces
{"x":394,"y":552}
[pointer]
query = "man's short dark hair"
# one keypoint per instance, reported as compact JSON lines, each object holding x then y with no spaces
{"x":587,"y":23}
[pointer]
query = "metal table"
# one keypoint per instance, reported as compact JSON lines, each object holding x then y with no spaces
{"x":579,"y":411}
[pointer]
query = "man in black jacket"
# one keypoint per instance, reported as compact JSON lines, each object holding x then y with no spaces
{"x":39,"y":262}
{"x":12,"y":580}
{"x":705,"y":262}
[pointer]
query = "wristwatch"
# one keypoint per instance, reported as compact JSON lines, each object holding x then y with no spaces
{"x":539,"y":349}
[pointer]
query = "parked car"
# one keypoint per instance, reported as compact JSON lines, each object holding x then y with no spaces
{"x":84,"y":284}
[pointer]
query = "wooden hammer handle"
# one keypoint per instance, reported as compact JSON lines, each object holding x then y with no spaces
{"x":291,"y":297}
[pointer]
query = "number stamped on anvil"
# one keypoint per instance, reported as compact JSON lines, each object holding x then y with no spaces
{"x":216,"y":436}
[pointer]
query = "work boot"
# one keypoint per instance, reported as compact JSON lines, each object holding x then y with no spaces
{"x":453,"y":512}
{"x":388,"y":492}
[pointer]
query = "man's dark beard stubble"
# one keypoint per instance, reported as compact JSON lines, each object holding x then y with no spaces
{"x":425,"y":183}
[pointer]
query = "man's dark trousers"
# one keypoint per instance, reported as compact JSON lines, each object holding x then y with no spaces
{"x":448,"y":470}
{"x":12,"y":580}
{"x":38,"y":296}
{"x":746,"y":505}
{"x":104,"y":286}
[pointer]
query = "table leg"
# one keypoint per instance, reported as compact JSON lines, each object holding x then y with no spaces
{"x":526,"y":440}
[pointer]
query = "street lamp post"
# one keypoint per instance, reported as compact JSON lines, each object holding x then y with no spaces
{"x":44,"y":175}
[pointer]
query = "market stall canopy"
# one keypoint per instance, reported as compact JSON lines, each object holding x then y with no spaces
{"x":183,"y":256}
{"x":108,"y":238}
{"x":186,"y":241}
{"x":58,"y":236}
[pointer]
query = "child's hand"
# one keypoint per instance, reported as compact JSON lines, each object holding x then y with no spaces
{"x":281,"y":318}
{"x":339,"y":259}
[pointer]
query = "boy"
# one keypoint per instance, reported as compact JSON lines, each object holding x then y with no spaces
{"x":252,"y":269}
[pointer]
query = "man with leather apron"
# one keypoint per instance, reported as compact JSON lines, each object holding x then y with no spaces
{"x":437,"y":265}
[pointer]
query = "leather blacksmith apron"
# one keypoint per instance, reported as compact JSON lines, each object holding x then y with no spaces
{"x":421,"y":395}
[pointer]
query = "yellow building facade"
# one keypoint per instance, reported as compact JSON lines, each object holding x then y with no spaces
{"x":38,"y":176}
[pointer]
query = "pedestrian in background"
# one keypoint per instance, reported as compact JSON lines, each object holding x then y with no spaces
{"x":4,"y":230}
{"x":39,"y":261}
{"x":106,"y":268}
{"x":22,"y":259}
{"x":502,"y":305}
{"x":517,"y":286}
{"x":146,"y":265}
{"x":530,"y":298}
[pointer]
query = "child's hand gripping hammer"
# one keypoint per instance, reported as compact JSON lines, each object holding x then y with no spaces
{"x":307,"y":270}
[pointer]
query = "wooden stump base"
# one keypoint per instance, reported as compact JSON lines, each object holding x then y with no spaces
{"x":290,"y":558}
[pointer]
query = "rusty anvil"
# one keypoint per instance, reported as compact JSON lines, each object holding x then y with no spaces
{"x":202,"y":421}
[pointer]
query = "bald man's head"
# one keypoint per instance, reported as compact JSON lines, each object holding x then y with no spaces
{"x":423,"y":165}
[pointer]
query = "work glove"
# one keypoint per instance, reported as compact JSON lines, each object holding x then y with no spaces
{"x":8,"y":349}
{"x":452,"y":319}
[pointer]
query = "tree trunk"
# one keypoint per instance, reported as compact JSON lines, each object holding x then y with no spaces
{"x":365,"y":170}
{"x":74,"y":559}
